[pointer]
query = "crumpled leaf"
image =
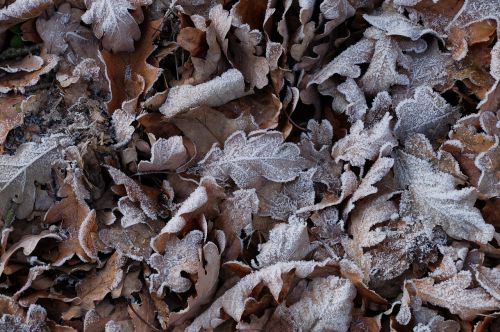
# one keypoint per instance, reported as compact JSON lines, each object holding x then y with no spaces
{"x":77,"y":220}
{"x":326,"y":304}
{"x":166,"y":154}
{"x":132,"y":242}
{"x":365,"y":143}
{"x":27,"y":64}
{"x":180,"y":256}
{"x":206,"y":284}
{"x":346,"y":64}
{"x":382,"y":72}
{"x":287,"y":242}
{"x":112,"y":22}
{"x":20,"y":11}
{"x":431,"y":195}
{"x":203,"y":202}
{"x":19,"y":172}
{"x":455,"y":295}
{"x":234,"y":300}
{"x":11,"y":115}
{"x":28,"y":243}
{"x":426,"y":113}
{"x":236,"y":217}
{"x":99,"y":283}
{"x":135,"y":192}
{"x":315,"y":147}
{"x":20,"y":80}
{"x":248,"y":159}
{"x":218,"y":91}
{"x":379,"y":169}
{"x":488,"y":163}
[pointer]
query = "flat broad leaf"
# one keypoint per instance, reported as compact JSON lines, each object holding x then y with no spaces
{"x":245,"y":159}
{"x":431,"y":195}
{"x":426,"y":113}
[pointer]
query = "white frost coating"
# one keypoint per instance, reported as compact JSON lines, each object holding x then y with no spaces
{"x":427,"y":113}
{"x":246,"y":159}
{"x":166,"y":154}
{"x":18,"y":174}
{"x":180,"y":255}
{"x":362,"y":144}
{"x":218,"y":91}
{"x":20,"y":11}
{"x":396,"y":24}
{"x":112,"y":21}
{"x":287,"y":242}
{"x":346,"y":64}
{"x":382,"y":73}
{"x":432,"y":197}
{"x":326,"y":306}
{"x":233,"y":300}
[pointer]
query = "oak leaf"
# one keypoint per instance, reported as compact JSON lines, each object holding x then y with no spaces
{"x":248,"y":159}
{"x":180,"y":256}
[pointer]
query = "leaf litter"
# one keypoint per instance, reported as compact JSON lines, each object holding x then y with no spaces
{"x":185,"y":165}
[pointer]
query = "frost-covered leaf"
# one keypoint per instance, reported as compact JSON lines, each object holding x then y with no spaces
{"x":248,"y":159}
{"x":216,"y":92}
{"x":379,"y":169}
{"x":132,"y":242}
{"x":112,"y":21}
{"x":205,"y":126}
{"x":19,"y":81}
{"x":20,"y":11}
{"x":236,"y":219}
{"x":315,"y":147}
{"x":455,"y":295}
{"x":234,"y":300}
{"x":426,"y":113}
{"x":489,"y":279}
{"x":201,"y":203}
{"x":365,"y":143}
{"x":281,"y":200}
{"x":395,"y":24}
{"x":326,"y":304}
{"x":206,"y":284}
{"x":180,"y":256}
{"x":166,"y":154}
{"x":382,"y":72}
{"x":11,"y":115}
{"x":287,"y":242}
{"x":489,"y":163}
{"x":135,"y":192}
{"x":65,"y":22}
{"x":19,"y":174}
{"x":431,"y":196}
{"x":346,"y":63}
